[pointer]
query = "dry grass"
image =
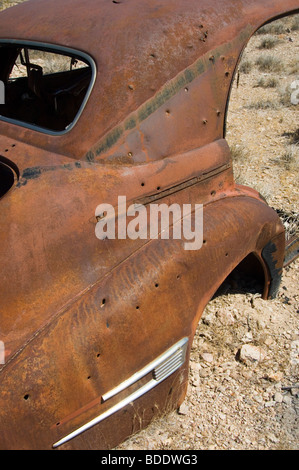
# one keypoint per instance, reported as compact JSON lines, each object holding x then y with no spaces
{"x":262,"y":104}
{"x":271,"y":82}
{"x":295,"y":23}
{"x":245,"y":66}
{"x":9,"y":3}
{"x":289,"y":159}
{"x":265,"y":146}
{"x":269,"y":63}
{"x":293,"y":67}
{"x":276,"y":27}
{"x":269,"y":42}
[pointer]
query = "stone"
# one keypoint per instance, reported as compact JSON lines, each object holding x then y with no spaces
{"x":250,"y":354}
{"x":183,"y":409}
{"x":275,"y":376}
{"x":287,"y":400}
{"x":278,"y":397}
{"x":208,"y":357}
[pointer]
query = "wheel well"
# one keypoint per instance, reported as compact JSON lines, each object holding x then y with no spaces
{"x":247,"y":276}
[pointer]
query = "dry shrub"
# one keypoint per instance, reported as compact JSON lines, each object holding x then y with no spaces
{"x":269,"y":42}
{"x":269,"y":63}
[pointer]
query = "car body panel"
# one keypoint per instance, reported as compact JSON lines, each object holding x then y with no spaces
{"x":132,"y":46}
{"x":79,"y":315}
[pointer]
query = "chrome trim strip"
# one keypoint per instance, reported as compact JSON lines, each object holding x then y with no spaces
{"x":108,"y":413}
{"x":161,"y":368}
{"x":141,"y":373}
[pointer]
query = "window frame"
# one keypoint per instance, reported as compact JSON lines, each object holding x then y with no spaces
{"x":62,"y":50}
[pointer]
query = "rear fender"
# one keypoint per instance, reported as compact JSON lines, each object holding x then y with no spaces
{"x":144,"y":306}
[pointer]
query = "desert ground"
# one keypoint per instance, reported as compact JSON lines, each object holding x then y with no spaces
{"x":243,"y":388}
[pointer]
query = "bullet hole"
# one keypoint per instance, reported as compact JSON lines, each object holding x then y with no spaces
{"x":226,"y":254}
{"x":178,"y":277}
{"x":137,"y":307}
{"x":186,"y":90}
{"x":227,"y":74}
{"x":158,"y":188}
{"x":26,"y":396}
{"x":130,"y":154}
{"x":142,"y":184}
{"x":58,"y":424}
{"x":89,"y":377}
{"x":204,"y":242}
{"x":205,"y":121}
{"x":103,"y":302}
{"x":213,"y":193}
{"x":156,"y":285}
{"x":167,"y":112}
{"x":203,"y":39}
{"x":130,"y":87}
{"x":218,"y":113}
{"x":98,"y":355}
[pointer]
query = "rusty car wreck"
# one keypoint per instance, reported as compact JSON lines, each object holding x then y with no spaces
{"x":97,"y":333}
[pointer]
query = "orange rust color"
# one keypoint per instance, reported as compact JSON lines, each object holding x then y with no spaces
{"x":78,"y":315}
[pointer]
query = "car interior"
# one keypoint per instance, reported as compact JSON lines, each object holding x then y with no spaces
{"x":44,"y":89}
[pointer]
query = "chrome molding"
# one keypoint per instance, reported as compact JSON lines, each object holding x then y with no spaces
{"x":161,"y":368}
{"x":178,"y":348}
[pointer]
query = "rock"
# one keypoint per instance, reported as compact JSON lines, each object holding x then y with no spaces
{"x":183,"y":409}
{"x":247,"y":337}
{"x":278,"y":397}
{"x":250,"y":354}
{"x":275,"y":376}
{"x":195,"y":368}
{"x":225,"y":316}
{"x":268,"y":341}
{"x":207,"y":357}
{"x":269,"y":403}
{"x":287,"y":400}
{"x":203,"y":373}
{"x":258,"y":399}
{"x":196,"y":382}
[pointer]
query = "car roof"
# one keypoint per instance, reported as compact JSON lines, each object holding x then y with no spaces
{"x":137,"y":46}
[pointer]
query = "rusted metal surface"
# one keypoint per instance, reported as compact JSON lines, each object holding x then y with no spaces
{"x":80,"y":315}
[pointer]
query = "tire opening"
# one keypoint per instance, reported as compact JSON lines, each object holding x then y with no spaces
{"x":247,"y":277}
{"x":7,"y":178}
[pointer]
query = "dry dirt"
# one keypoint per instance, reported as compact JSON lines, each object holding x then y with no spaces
{"x":243,"y":384}
{"x":236,"y":402}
